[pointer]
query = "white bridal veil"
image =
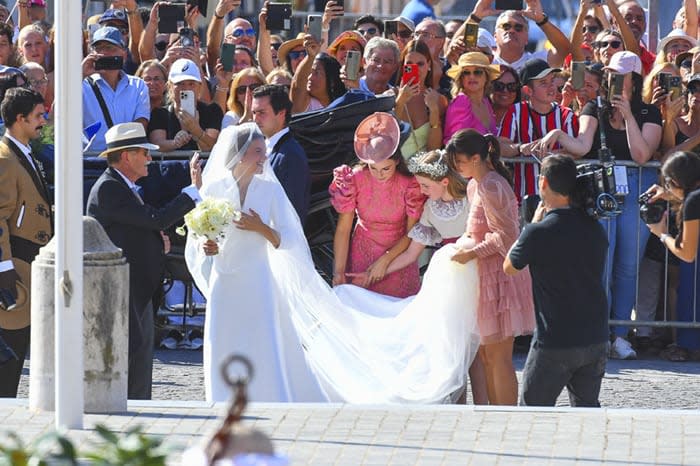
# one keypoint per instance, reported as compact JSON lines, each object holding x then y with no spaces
{"x":362,"y":347}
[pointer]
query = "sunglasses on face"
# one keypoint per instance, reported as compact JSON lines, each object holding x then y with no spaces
{"x":405,"y":34}
{"x":295,"y":55}
{"x":472,"y":72}
{"x":427,"y":35}
{"x":503,"y":87}
{"x":162,"y":45}
{"x":508,"y":26}
{"x":243,"y":32}
{"x":604,"y":44}
{"x":241,"y":90}
{"x":591,"y":29}
{"x":370,"y":31}
{"x":687,"y":63}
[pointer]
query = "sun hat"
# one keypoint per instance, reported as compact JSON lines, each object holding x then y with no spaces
{"x":535,"y":69}
{"x":477,"y":59}
{"x":184,"y":69}
{"x":124,"y":136}
{"x":673,"y":35}
{"x":681,"y":57}
{"x":406,"y":22}
{"x":377,"y":137}
{"x":347,"y":35}
{"x":108,"y":34}
{"x":624,"y":62}
{"x":287,"y":47}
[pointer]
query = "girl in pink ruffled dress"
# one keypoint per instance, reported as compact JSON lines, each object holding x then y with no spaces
{"x":505,"y":308}
{"x":387,"y":201}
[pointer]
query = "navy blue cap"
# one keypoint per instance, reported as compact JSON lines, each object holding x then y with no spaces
{"x":108,"y":34}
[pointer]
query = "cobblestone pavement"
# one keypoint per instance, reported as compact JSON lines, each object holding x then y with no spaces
{"x":644,"y":383}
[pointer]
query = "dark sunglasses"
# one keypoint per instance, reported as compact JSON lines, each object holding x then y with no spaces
{"x":476,"y":72}
{"x":276,"y":45}
{"x":503,"y":87}
{"x":162,"y":45}
{"x":591,"y":29}
{"x":693,"y":89}
{"x":603,"y":44}
{"x":371,"y":31}
{"x":687,"y":63}
{"x":296,"y":54}
{"x":241,"y":90}
{"x":241,"y":32}
{"x":508,"y":26}
{"x":405,"y":34}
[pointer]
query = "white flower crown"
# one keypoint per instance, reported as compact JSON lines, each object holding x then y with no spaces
{"x":437,"y":169}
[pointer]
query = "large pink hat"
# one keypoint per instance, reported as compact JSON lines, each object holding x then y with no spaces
{"x":377,"y":137}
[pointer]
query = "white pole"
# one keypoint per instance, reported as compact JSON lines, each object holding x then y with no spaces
{"x":68,"y":296}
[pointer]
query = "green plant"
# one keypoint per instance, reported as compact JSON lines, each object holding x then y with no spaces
{"x":52,"y":449}
{"x":133,"y":449}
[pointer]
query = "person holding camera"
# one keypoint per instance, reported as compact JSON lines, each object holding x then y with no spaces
{"x":565,"y":250}
{"x":681,"y":184}
{"x":110,"y":96}
{"x":633,"y":132}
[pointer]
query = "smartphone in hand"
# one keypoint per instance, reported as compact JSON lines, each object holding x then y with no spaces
{"x":109,"y":63}
{"x":352,"y":65}
{"x":410,"y":74}
{"x":171,"y":17}
{"x":471,"y":34}
{"x":578,"y":77}
{"x":279,"y":16}
{"x":187,"y":102}
{"x":227,"y":51}
{"x":390,"y":27}
{"x":617,"y":82}
{"x":509,"y":5}
{"x":314,"y":25}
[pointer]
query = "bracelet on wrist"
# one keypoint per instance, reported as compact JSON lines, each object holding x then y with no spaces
{"x":475,"y":18}
{"x":545,"y":20}
{"x":222,"y":88}
{"x":218,"y":17}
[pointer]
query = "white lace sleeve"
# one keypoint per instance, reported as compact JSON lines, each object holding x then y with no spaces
{"x":425,"y":234}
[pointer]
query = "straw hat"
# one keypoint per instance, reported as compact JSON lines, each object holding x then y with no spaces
{"x":287,"y":47}
{"x":377,"y":137}
{"x":126,"y":136}
{"x":477,"y":59}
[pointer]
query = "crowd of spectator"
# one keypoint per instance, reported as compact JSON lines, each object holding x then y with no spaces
{"x":184,"y":88}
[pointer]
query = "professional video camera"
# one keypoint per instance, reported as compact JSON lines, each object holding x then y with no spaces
{"x":596,"y":189}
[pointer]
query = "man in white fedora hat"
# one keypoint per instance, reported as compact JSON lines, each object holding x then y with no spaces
{"x":137,"y":228}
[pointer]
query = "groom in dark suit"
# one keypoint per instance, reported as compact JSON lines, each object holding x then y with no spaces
{"x":136,"y":228}
{"x":25,"y":225}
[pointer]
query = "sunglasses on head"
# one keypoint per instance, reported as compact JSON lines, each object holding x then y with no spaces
{"x":603,"y":44}
{"x":370,"y":31}
{"x":476,"y":72}
{"x":241,"y":90}
{"x":240,"y":32}
{"x":591,"y":29}
{"x":508,"y":26}
{"x":296,"y":54}
{"x":502,"y":87}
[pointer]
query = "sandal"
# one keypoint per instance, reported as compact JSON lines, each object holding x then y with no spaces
{"x":674,"y":353}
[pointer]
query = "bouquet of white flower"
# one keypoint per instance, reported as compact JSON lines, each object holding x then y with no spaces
{"x":209,"y":218}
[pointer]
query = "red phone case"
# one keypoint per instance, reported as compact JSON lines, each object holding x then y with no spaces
{"x":410,"y":73}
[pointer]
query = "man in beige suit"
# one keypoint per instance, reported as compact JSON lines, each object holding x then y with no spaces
{"x":25,"y":223}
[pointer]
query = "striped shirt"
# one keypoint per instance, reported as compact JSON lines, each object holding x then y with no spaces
{"x":522,"y":124}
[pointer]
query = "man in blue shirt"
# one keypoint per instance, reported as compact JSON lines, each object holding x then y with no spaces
{"x":124,"y":97}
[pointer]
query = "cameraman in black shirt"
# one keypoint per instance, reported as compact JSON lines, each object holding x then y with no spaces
{"x":565,"y":250}
{"x":681,"y":176}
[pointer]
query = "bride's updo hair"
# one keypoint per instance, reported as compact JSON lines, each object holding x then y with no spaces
{"x":242,"y":136}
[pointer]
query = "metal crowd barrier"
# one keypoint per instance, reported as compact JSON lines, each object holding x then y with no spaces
{"x":665,"y":322}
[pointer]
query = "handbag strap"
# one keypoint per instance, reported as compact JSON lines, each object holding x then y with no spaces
{"x":101,"y":101}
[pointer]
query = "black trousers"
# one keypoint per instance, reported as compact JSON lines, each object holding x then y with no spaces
{"x":11,"y":371}
{"x":141,"y":353}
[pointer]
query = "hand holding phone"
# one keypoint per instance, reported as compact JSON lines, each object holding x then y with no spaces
{"x":617,"y":82}
{"x":109,"y":63}
{"x":279,"y":16}
{"x":187,"y":103}
{"x":171,"y":17}
{"x":314,"y":25}
{"x":509,"y":5}
{"x":471,"y":35}
{"x":578,"y":76}
{"x":352,"y":65}
{"x":227,"y":52}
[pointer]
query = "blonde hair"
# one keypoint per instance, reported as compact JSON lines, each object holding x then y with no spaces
{"x":648,"y":86}
{"x":424,"y":164}
{"x":278,"y":72}
{"x":232,"y":103}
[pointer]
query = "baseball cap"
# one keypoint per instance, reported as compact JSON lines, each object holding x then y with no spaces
{"x":536,"y":69}
{"x":184,"y":70}
{"x":625,"y":62}
{"x":406,"y":22}
{"x":681,"y":57}
{"x":108,"y":34}
{"x":113,"y":14}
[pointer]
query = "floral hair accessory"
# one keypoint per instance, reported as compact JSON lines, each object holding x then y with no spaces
{"x":436,"y":169}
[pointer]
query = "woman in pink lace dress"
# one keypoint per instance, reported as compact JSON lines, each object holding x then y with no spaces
{"x":387,"y":201}
{"x":505,"y":307}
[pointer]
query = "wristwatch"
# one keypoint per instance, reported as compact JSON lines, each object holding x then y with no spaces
{"x":545,"y":20}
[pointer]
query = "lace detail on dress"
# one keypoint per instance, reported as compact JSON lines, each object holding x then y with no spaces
{"x":425,"y":234}
{"x":447,"y":210}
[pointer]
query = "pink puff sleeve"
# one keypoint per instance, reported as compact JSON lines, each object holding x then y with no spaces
{"x":343,"y":189}
{"x":458,"y":116}
{"x":414,"y":199}
{"x":500,"y":208}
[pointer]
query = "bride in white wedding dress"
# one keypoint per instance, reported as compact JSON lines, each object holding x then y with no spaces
{"x":266,"y":301}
